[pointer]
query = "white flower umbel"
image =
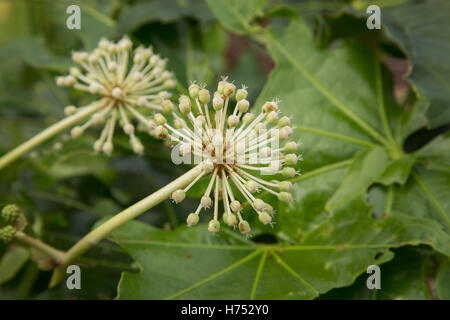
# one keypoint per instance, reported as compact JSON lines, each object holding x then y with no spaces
{"x":126,"y":81}
{"x":237,"y":149}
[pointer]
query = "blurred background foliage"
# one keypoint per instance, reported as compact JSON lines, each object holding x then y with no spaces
{"x":64,"y":187}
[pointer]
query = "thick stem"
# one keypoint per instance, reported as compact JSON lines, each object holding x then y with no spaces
{"x":47,"y":134}
{"x":92,"y":238}
{"x":31,"y":242}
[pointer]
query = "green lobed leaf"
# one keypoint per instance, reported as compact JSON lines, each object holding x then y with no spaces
{"x":443,"y":280}
{"x":226,"y":266}
{"x":11,"y":263}
{"x":403,"y":278}
{"x":169,"y":11}
{"x":366,"y":167}
{"x":236,"y":15}
{"x":417,"y":26}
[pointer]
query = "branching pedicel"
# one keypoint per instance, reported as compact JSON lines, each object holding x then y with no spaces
{"x":232,"y":149}
{"x":126,"y":81}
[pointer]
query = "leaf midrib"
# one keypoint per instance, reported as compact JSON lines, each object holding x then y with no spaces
{"x":341,"y":106}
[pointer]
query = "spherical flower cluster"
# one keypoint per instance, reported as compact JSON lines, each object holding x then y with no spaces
{"x":236,"y":148}
{"x":127,"y":82}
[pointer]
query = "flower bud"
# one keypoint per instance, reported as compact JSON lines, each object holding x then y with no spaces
{"x":108,"y":147}
{"x":112,"y":66}
{"x":7,"y":234}
{"x":95,"y":87}
{"x":164,"y":95}
{"x":169,"y":84}
{"x":284,"y":121}
{"x":233,"y":121}
{"x":74,"y":72}
{"x":213,"y":226}
{"x":116,"y":92}
{"x":137,"y":76}
{"x":70,"y":110}
{"x":291,"y":159}
{"x":244,"y":227}
{"x":204,"y":96}
{"x":272,"y":116}
{"x":208,"y":165}
{"x":288,"y":172}
{"x":200,"y":121}
{"x":260,"y":128}
{"x":178,"y":195}
{"x":161,"y":132}
{"x":137,"y":146}
{"x":185,"y":148}
{"x":10,"y":213}
{"x":221,"y":86}
{"x":290,"y":146}
{"x":60,"y":81}
{"x":138,"y":57}
{"x":284,"y":196}
{"x":160,"y":119}
{"x":167,"y":106}
{"x":243,"y":105}
{"x":251,"y":186}
{"x":285,"y":186}
{"x":217,"y":102}
{"x":269,"y":106}
{"x":154,"y":60}
{"x":194,"y":90}
{"x":265,"y":218}
{"x":230,"y":219}
{"x":241,"y":94}
{"x":98,"y":145}
{"x":235,"y":206}
{"x":69,"y":81}
{"x":259,"y":204}
{"x":248,"y":118}
{"x":285,"y":132}
{"x":229,"y":89}
{"x":128,"y":128}
{"x":192,"y":219}
{"x":178,"y":124}
{"x":206,"y":202}
{"x":268,"y":208}
{"x":76,"y":132}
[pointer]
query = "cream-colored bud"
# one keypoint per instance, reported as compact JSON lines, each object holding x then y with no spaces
{"x":70,"y":110}
{"x":108,"y":147}
{"x":259,"y":204}
{"x":233,"y":121}
{"x":213,"y":226}
{"x":206,"y":202}
{"x":116,"y":92}
{"x":235,"y":206}
{"x":251,"y":186}
{"x":192,"y":219}
{"x":243,"y":105}
{"x":178,"y":195}
{"x":76,"y":132}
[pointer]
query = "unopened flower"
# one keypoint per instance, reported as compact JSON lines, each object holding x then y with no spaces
{"x":127,"y":81}
{"x":236,"y":149}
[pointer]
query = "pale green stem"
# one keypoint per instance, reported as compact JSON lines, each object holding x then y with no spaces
{"x":31,"y":242}
{"x":47,"y":134}
{"x":92,"y":238}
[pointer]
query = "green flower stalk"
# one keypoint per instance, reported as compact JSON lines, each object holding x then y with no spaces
{"x":125,"y":82}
